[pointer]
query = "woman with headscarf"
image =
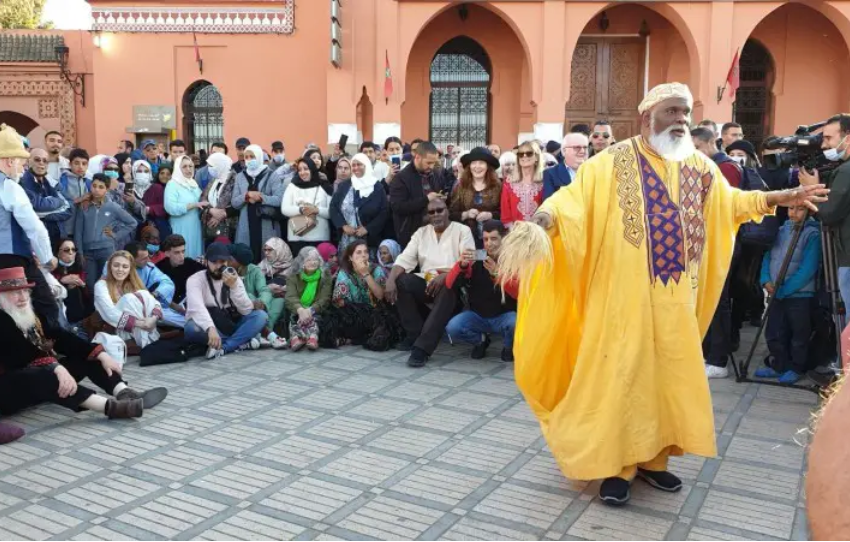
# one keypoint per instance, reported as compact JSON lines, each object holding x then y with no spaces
{"x":308,"y":295}
{"x":388,"y":251}
{"x":259,"y":293}
{"x":154,"y":196}
{"x":125,"y":161}
{"x":219,"y":219}
{"x":315,"y":155}
{"x":330,"y":255}
{"x":343,"y":172}
{"x":257,"y":196}
{"x":306,"y":204}
{"x":184,"y":206}
{"x":358,"y":210}
{"x":276,"y":265}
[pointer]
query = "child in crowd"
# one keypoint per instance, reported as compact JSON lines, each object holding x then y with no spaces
{"x":789,"y":321}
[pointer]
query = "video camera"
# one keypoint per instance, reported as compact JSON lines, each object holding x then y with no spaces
{"x":803,"y":149}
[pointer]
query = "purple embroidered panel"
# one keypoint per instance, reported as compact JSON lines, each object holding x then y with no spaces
{"x":664,"y":224}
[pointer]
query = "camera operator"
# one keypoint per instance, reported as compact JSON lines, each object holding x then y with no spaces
{"x":836,"y":212}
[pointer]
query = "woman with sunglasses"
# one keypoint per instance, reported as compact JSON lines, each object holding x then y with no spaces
{"x":71,"y":273}
{"x":521,"y":198}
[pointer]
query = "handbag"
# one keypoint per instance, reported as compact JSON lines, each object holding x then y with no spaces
{"x":303,"y":224}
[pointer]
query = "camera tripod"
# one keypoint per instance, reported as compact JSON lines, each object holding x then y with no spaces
{"x":825,"y":375}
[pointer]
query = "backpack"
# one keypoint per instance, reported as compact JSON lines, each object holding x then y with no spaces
{"x":750,"y":233}
{"x":165,"y":351}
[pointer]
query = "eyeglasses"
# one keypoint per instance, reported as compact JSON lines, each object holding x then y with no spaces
{"x":69,"y":250}
{"x":577,"y":148}
{"x":603,"y":135}
{"x":525,"y":154}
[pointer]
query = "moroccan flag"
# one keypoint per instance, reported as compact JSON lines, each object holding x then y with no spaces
{"x":733,"y":80}
{"x":198,"y":58}
{"x":388,"y":78}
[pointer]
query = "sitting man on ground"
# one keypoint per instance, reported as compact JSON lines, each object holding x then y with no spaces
{"x":178,"y":268}
{"x":259,"y":293}
{"x":31,"y":373}
{"x":789,"y":321}
{"x":157,"y":283}
{"x":219,"y":312}
{"x":489,"y":311}
{"x":434,"y":249}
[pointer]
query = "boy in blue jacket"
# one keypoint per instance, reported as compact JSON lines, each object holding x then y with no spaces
{"x":789,"y":321}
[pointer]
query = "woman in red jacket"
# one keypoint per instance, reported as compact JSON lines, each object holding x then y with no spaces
{"x":521,"y":198}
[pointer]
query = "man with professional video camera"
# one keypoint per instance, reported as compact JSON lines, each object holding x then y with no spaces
{"x":835,"y":213}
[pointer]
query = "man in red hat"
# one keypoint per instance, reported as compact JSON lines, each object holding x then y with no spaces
{"x":31,"y":373}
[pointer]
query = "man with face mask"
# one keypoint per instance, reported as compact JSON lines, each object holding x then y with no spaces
{"x":219,"y":312}
{"x":22,"y":233}
{"x":46,"y":201}
{"x":836,"y":212}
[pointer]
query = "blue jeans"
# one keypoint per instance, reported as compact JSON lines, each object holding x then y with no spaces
{"x":247,"y":328}
{"x":468,"y":326}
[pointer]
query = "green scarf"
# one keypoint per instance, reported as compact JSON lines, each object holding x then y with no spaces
{"x":312,"y":282}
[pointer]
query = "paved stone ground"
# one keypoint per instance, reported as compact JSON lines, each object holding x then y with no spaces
{"x":354,"y":445}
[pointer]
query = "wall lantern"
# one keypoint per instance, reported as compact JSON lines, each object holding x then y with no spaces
{"x":76,"y":81}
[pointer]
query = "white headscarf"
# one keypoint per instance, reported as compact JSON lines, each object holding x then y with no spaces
{"x":178,"y":177}
{"x":219,"y":164}
{"x":258,"y":154}
{"x":364,"y":185}
{"x":142,"y":185}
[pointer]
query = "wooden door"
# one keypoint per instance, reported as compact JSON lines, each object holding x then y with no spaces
{"x":607,"y":83}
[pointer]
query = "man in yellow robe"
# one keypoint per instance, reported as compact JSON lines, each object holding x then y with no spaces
{"x":608,"y":338}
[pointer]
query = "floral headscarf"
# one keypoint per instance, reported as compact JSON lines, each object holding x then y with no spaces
{"x":279,"y":261}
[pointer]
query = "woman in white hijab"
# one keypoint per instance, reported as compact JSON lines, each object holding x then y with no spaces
{"x":184,"y":206}
{"x":218,"y":219}
{"x":257,"y":196}
{"x":359,"y":208}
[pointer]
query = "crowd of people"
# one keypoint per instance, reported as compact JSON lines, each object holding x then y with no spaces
{"x":395,"y":246}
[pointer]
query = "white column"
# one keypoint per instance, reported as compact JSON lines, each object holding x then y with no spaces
{"x":336,"y":130}
{"x":383,"y":130}
{"x":549,"y":131}
{"x":523,"y":137}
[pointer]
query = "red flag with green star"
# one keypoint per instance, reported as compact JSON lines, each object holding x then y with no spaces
{"x":388,"y":78}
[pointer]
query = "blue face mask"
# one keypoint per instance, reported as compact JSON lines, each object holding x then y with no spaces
{"x":153,"y":248}
{"x":253,"y":164}
{"x":111,"y":174}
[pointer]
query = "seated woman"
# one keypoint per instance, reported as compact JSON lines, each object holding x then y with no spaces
{"x":388,"y":251}
{"x":71,"y":273}
{"x":122,"y":302}
{"x":308,"y":294}
{"x":330,"y":258}
{"x":258,"y":292}
{"x":360,"y":316}
{"x":276,"y":266}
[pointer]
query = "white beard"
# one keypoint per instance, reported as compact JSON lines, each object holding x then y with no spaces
{"x":24,"y":318}
{"x":669,"y":146}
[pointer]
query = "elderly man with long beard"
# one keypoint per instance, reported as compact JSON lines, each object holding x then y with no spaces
{"x":621,"y":280}
{"x":31,"y":373}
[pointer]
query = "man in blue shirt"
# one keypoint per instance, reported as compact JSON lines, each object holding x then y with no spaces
{"x":574,"y":151}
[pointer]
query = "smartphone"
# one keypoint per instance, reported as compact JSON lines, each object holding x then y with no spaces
{"x":480,"y":255}
{"x":128,"y":188}
{"x":396,"y":160}
{"x":343,"y":141}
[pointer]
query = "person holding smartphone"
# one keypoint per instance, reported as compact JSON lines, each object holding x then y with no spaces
{"x":489,"y":312}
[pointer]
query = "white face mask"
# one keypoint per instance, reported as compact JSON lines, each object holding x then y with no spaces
{"x":143,"y":177}
{"x":740,"y":159}
{"x":279,"y":158}
{"x":834,"y":155}
{"x":213,"y":172}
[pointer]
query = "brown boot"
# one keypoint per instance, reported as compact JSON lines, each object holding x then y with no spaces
{"x":151,"y":397}
{"x":131,"y":408}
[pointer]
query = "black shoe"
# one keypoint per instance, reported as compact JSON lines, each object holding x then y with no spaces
{"x":151,"y":397}
{"x":418,"y":358}
{"x":405,"y":345}
{"x":480,"y":349}
{"x":508,"y":355}
{"x":615,"y":491}
{"x":662,"y":480}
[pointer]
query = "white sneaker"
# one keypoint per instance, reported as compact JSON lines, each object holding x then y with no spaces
{"x":255,"y":344}
{"x":214,"y":353}
{"x":713,"y":371}
{"x":278,"y":343}
{"x":264,"y":342}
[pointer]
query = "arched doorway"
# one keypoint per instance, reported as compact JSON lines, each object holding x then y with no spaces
{"x":460,"y":94}
{"x":21,"y":123}
{"x":203,"y":116}
{"x":753,"y":99}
